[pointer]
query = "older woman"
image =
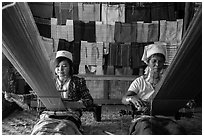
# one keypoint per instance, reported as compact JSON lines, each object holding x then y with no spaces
{"x":141,"y":93}
{"x":70,"y":87}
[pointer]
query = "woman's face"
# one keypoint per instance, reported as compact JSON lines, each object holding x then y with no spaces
{"x":62,"y":69}
{"x":156,"y":63}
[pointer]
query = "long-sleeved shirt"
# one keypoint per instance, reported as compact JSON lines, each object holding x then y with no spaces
{"x":74,"y":90}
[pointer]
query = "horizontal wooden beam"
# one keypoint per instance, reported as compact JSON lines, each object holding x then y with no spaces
{"x":104,"y":77}
{"x":72,"y":104}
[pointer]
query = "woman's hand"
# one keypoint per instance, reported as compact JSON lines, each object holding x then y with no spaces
{"x":8,"y":96}
{"x":136,"y":102}
{"x":11,"y":97}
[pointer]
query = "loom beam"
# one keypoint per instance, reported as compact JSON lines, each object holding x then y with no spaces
{"x":182,"y":80}
{"x":23,"y":47}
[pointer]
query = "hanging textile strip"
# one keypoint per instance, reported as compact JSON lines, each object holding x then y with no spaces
{"x":62,"y":31}
{"x":90,"y":32}
{"x":118,"y":55}
{"x":91,"y":53}
{"x":179,"y":30}
{"x":24,"y":48}
{"x":171,"y":32}
{"x":99,"y":31}
{"x":142,"y":32}
{"x":153,"y":31}
{"x":99,"y":58}
{"x":113,"y":13}
{"x":163,"y":11}
{"x":66,"y":10}
{"x":125,"y":48}
{"x":79,"y":30}
{"x":125,"y":32}
{"x":42,"y":9}
{"x":89,"y":12}
{"x":104,"y":32}
{"x":110,"y":30}
{"x":83,"y":57}
{"x":54,"y":34}
{"x":133,"y":32}
{"x":76,"y":56}
{"x":117,"y":31}
{"x":111,"y":58}
{"x":70,"y":30}
{"x":134,"y":13}
{"x":137,"y":50}
{"x":112,"y":54}
{"x":44,"y":26}
{"x":182,"y":80}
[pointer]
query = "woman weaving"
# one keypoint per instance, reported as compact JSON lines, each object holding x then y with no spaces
{"x":141,"y":89}
{"x":70,"y":87}
{"x":141,"y":93}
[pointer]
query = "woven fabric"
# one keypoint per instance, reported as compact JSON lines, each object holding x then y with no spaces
{"x":171,"y":31}
{"x":89,"y":12}
{"x":51,"y":126}
{"x":113,"y":13}
{"x":66,"y":10}
{"x":133,"y":13}
{"x":155,"y":125}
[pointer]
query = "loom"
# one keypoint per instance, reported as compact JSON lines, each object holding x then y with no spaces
{"x":23,"y":47}
{"x":182,"y":80}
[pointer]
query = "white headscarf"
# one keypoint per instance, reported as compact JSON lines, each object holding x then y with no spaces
{"x":64,"y":53}
{"x":157,"y":47}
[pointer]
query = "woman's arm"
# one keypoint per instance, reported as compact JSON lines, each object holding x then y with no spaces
{"x":131,"y":98}
{"x":126,"y":98}
{"x":21,"y":100}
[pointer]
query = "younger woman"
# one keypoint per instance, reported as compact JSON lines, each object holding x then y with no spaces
{"x":70,"y":87}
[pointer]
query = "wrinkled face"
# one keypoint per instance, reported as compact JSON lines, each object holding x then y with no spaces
{"x":62,"y":69}
{"x":156,"y":63}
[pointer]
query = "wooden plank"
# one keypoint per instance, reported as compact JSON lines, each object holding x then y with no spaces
{"x":75,"y":105}
{"x":104,"y":77}
{"x":67,"y":103}
{"x":23,"y":47}
{"x":108,"y":77}
{"x":182,"y":80}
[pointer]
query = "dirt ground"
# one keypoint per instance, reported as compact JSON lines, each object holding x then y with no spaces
{"x":21,"y":122}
